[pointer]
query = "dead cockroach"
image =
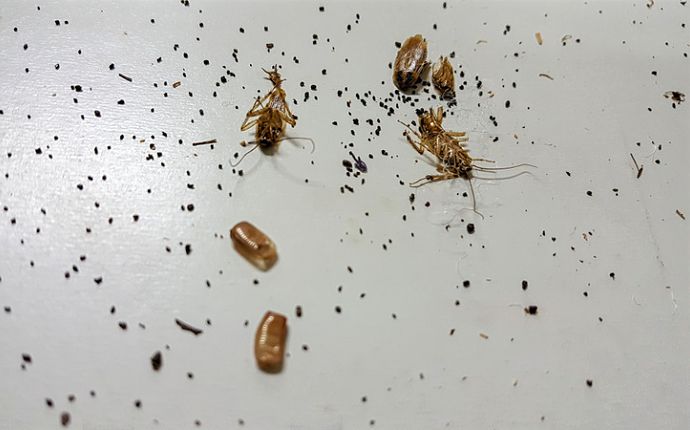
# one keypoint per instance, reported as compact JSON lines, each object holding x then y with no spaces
{"x":443,"y":78}
{"x":269,"y":114}
{"x":410,"y":62}
{"x":452,"y":155}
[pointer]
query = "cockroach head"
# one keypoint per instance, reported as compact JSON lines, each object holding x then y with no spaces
{"x":273,"y":75}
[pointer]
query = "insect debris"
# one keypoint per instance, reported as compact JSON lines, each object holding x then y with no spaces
{"x":452,"y":155}
{"x":410,"y":62}
{"x":442,"y":78}
{"x":269,"y":114}
{"x":638,"y":167}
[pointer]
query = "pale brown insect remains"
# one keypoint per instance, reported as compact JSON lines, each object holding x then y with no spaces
{"x":269,"y":114}
{"x":410,"y":62}
{"x":442,"y":77}
{"x":449,"y":147}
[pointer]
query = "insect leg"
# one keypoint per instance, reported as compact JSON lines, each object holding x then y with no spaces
{"x":433,"y":178}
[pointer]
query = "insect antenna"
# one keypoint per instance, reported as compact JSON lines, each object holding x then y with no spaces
{"x":474,"y":200}
{"x":503,"y":178}
{"x":256,"y":145}
{"x":313,"y":146}
{"x":492,"y":169}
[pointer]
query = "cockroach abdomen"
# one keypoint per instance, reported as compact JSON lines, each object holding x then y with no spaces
{"x":254,"y":245}
{"x":269,"y":343}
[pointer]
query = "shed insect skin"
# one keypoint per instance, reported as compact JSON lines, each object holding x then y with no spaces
{"x":410,"y":62}
{"x":443,"y":79}
{"x":269,"y":114}
{"x":452,"y":155}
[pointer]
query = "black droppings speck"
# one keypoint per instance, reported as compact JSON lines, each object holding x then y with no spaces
{"x":157,"y":361}
{"x":298,"y":311}
{"x":338,"y":309}
{"x":612,"y":275}
{"x":466,"y":283}
{"x":97,"y":113}
{"x":589,"y":382}
{"x":65,"y":419}
{"x":27,"y":358}
{"x":524,"y":285}
{"x":470,"y":228}
{"x":188,"y":249}
{"x":531,"y":310}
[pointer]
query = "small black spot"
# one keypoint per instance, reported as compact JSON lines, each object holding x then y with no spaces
{"x":589,"y":382}
{"x":470,"y":228}
{"x":531,"y":310}
{"x":157,"y":361}
{"x":524,"y":285}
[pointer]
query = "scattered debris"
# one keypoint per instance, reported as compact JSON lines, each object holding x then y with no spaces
{"x":204,"y":142}
{"x":675,"y":96}
{"x":483,"y":336}
{"x":565,"y":38}
{"x":537,"y":36}
{"x":680,"y":214}
{"x":186,"y":327}
{"x":638,"y":167}
{"x":176,"y":84}
{"x":359,"y":164}
{"x":650,"y":3}
{"x":544,"y":75}
{"x":126,"y":78}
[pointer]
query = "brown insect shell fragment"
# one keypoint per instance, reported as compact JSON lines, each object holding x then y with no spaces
{"x":443,"y":78}
{"x":410,"y":62}
{"x":252,"y":244}
{"x":269,"y":342}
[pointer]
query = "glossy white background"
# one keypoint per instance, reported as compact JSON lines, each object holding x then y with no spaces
{"x":629,"y":335}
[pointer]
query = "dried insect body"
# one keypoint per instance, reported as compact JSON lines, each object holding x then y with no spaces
{"x":443,"y":78}
{"x":269,"y":114}
{"x":269,"y":342}
{"x":452,"y":155}
{"x":254,"y":245}
{"x":410,"y":62}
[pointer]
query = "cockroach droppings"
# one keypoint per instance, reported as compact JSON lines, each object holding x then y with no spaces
{"x":531,"y":310}
{"x":157,"y":361}
{"x":65,"y":419}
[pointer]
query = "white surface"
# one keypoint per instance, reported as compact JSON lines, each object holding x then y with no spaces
{"x":586,"y":121}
